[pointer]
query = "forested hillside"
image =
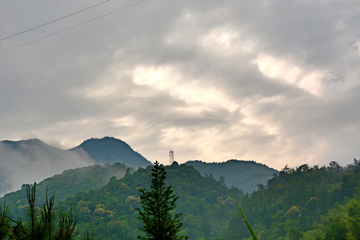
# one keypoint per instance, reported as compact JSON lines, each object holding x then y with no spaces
{"x":206,"y":205}
{"x":245,"y":175}
{"x":299,"y":204}
{"x":66,"y":184}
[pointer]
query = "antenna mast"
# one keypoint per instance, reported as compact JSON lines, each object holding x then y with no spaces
{"x":171,"y":156}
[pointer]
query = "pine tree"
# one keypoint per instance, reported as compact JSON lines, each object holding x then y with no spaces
{"x":41,"y":223}
{"x":5,"y":222}
{"x":157,"y":206}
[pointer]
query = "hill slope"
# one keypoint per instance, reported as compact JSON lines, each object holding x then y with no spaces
{"x":111,"y":150}
{"x":293,"y":201}
{"x":206,"y":204}
{"x":66,"y":184}
{"x":244,"y":175}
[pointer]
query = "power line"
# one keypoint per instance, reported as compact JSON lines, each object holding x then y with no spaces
{"x":55,"y":20}
{"x":77,"y":25}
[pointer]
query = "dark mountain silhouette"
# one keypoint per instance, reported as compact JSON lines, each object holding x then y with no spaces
{"x":245,"y":175}
{"x":110,"y":150}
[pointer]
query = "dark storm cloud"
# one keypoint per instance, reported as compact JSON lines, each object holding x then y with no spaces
{"x":272,"y":81}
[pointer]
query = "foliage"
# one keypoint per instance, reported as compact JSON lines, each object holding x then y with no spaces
{"x":157,"y":206}
{"x":297,"y":203}
{"x":253,"y":234}
{"x":5,"y":222}
{"x":206,"y":205}
{"x":304,"y":203}
{"x":66,"y":184}
{"x":40,"y":224}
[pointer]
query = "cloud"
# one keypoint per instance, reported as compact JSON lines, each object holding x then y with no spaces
{"x":273,"y":82}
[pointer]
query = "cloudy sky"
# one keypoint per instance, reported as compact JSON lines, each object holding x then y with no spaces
{"x":277,"y":82}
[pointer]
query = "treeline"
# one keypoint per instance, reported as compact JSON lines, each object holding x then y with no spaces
{"x":206,"y":204}
{"x":296,"y":203}
{"x":304,"y":203}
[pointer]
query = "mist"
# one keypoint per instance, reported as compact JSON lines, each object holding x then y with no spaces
{"x":26,"y":162}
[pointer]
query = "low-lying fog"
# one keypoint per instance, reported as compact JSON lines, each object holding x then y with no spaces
{"x":32,"y":161}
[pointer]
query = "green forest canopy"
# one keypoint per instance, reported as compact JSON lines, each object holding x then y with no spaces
{"x":297,"y":203}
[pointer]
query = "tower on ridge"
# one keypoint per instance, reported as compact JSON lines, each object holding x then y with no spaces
{"x":171,"y":156}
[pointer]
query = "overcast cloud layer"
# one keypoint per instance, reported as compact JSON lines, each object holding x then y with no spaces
{"x":272,"y":81}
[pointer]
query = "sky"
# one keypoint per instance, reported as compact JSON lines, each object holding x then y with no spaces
{"x":277,"y":82}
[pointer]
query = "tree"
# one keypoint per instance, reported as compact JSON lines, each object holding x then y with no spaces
{"x":157,"y":206}
{"x":5,"y":222}
{"x":41,"y":224}
{"x":222,"y":180}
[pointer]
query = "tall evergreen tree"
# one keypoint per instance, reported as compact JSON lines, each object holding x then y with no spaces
{"x":157,"y":206}
{"x":40,"y":224}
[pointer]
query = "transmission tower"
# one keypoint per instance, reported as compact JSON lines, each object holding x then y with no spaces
{"x":171,"y":156}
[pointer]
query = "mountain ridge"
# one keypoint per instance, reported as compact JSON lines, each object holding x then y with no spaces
{"x":245,"y":175}
{"x":31,"y":160}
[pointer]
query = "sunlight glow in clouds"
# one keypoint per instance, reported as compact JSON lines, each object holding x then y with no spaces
{"x":225,"y":41}
{"x":211,"y":80}
{"x":191,"y":91}
{"x":204,"y":141}
{"x":124,"y":121}
{"x":291,"y":74}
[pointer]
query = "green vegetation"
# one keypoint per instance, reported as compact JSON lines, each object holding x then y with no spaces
{"x":5,"y":222}
{"x":205,"y":204}
{"x":304,"y":203}
{"x":67,"y":184}
{"x":253,"y":234}
{"x":245,"y":175}
{"x":40,"y":223}
{"x":156,"y":207}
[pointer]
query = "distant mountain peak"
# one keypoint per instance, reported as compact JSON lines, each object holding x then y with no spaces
{"x":110,"y":150}
{"x":105,"y":140}
{"x":22,"y":143}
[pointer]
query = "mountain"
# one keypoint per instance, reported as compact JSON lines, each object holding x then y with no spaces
{"x":29,"y":161}
{"x":66,"y":184}
{"x":245,"y":175}
{"x":111,"y":150}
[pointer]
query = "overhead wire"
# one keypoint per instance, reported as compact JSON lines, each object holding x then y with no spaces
{"x":77,"y":25}
{"x":55,"y":20}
